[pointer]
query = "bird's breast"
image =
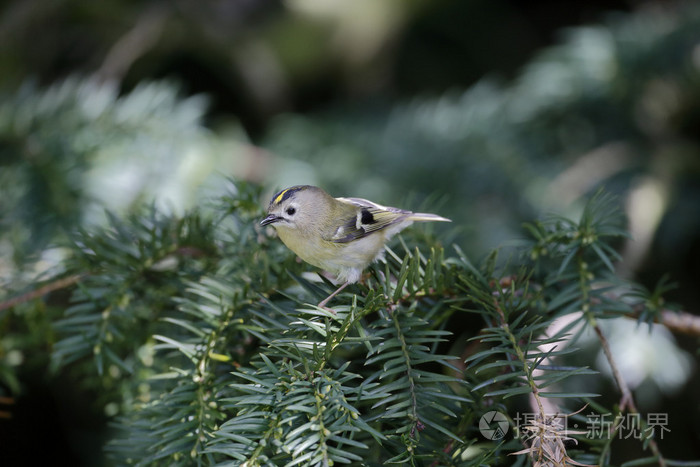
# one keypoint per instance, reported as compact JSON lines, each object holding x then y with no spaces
{"x":332,"y":256}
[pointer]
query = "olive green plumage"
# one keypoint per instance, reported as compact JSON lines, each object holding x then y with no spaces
{"x":339,"y":235}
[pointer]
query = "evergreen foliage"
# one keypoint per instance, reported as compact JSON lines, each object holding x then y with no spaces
{"x":204,"y":323}
{"x":59,"y":147}
{"x":198,"y":333}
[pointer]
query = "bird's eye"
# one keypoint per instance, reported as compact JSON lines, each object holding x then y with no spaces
{"x":291,"y":211}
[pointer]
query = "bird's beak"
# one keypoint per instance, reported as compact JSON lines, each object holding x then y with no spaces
{"x":271,"y":219}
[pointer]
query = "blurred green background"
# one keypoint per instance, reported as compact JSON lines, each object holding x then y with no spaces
{"x":489,"y":112}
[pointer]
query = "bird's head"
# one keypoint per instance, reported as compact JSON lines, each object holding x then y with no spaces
{"x":297,"y":208}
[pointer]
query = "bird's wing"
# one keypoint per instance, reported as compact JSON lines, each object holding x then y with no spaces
{"x":370,"y":217}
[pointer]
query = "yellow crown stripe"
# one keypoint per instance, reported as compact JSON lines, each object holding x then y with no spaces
{"x":280,"y":196}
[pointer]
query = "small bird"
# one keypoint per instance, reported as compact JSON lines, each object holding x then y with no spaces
{"x":339,"y":235}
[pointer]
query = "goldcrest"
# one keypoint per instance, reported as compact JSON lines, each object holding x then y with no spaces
{"x":339,"y":235}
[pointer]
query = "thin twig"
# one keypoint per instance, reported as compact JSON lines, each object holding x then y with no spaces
{"x":677,"y":321}
{"x":680,"y":322}
{"x":41,"y":291}
{"x":627,"y":401}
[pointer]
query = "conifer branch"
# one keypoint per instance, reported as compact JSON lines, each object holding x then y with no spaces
{"x":416,"y":423}
{"x":52,"y":286}
{"x":544,"y":434}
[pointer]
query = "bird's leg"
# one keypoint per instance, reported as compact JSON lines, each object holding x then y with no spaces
{"x":328,"y":298}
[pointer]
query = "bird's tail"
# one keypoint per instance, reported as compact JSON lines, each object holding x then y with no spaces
{"x":427,"y":217}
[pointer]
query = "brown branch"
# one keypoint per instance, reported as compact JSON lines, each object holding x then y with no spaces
{"x":41,"y":291}
{"x":680,"y":322}
{"x":627,"y":401}
{"x":676,"y":321}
